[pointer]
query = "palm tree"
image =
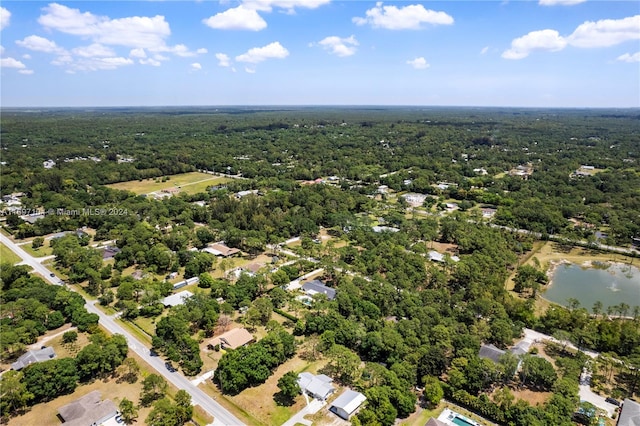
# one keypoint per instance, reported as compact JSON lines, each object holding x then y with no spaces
{"x":597,"y":308}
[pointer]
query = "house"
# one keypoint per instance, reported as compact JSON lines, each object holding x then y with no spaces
{"x":318,"y":387}
{"x":347,"y":403}
{"x":176,"y":299}
{"x":434,"y":256}
{"x":243,"y":194}
{"x":49,"y":164}
{"x":89,"y":410}
{"x":380,"y":229}
{"x":31,"y":357}
{"x":233,"y":339}
{"x":251,"y":269}
{"x":318,"y":287}
{"x":488,"y":213}
{"x":491,"y":352}
{"x":32,"y":218}
{"x":414,"y":200}
{"x":220,"y":249}
{"x":629,"y":413}
{"x":435,"y":422}
{"x":109,"y":252}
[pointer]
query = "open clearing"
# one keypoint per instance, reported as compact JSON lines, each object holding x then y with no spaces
{"x":189,"y":183}
{"x":6,"y":255}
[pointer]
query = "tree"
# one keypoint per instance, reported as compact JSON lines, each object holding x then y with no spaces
{"x":37,"y":243}
{"x":433,"y":392}
{"x":183,"y":403}
{"x":69,"y":337}
{"x":130,"y":370}
{"x":14,"y":395}
{"x":153,"y":387}
{"x":344,"y":363}
{"x":164,"y":413}
{"x":128,"y":411}
{"x":538,"y":373}
{"x":289,"y":388}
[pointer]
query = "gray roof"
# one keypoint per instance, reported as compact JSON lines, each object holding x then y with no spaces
{"x":349,"y":401}
{"x":31,"y":357}
{"x":491,"y":352}
{"x":317,"y":286}
{"x":317,"y":386}
{"x":88,"y":410}
{"x":434,"y":422}
{"x":629,"y":414}
{"x":176,"y":299}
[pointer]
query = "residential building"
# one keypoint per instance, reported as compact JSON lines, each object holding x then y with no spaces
{"x":318,"y":287}
{"x":88,"y":411}
{"x":629,"y":413}
{"x":109,"y":252}
{"x":379,"y":229}
{"x":414,"y":200}
{"x":31,"y":357}
{"x":491,"y":352}
{"x":318,"y":387}
{"x":435,"y":422}
{"x":233,"y":339}
{"x":176,"y":299}
{"x":220,"y":249}
{"x":347,"y":403}
{"x":435,"y":256}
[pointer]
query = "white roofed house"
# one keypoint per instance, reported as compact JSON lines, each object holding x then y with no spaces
{"x":176,"y":299}
{"x":318,"y":387}
{"x":31,"y":357}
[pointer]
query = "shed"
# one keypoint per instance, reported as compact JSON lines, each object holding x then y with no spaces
{"x":347,"y":403}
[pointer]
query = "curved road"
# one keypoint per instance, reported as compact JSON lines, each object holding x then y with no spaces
{"x":220,"y":414}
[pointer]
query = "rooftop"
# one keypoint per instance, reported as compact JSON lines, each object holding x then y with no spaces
{"x":32,"y":357}
{"x":233,"y":339}
{"x":629,"y":413}
{"x":88,"y":410}
{"x":318,"y":287}
{"x":176,"y":299}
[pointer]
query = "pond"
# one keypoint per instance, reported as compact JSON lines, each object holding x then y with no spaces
{"x":611,"y":284}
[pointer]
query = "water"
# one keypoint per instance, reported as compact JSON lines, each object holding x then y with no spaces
{"x":614,"y":285}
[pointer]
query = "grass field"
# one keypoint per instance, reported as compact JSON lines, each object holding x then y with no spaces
{"x":6,"y":255}
{"x":189,"y":183}
{"x":45,"y":250}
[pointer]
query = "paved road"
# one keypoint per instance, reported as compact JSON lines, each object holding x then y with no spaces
{"x":219,"y":413}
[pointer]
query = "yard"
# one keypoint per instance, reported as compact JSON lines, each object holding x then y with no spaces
{"x":189,"y":183}
{"x":6,"y":255}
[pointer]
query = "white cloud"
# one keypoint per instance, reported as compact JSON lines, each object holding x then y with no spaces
{"x":258,"y":54}
{"x":40,"y":44}
{"x":560,"y":2}
{"x":26,"y":72}
{"x":409,"y":17}
{"x":290,"y":5}
{"x":5,"y":17}
{"x":93,"y":50}
{"x":484,"y":50}
{"x":549,"y":40}
{"x":606,"y":32}
{"x":635,"y":57}
{"x":237,"y":18}
{"x":150,"y":61}
{"x":250,"y":70}
{"x":182,"y":50}
{"x":138,"y":53}
{"x":603,"y":33}
{"x":96,"y":64}
{"x":419,"y":63}
{"x":223,"y":60}
{"x":196,"y":66}
{"x":339,"y":46}
{"x":11,"y":63}
{"x":201,"y":51}
{"x":26,"y":56}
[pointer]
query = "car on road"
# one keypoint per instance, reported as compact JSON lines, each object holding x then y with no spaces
{"x":52,"y":274}
{"x":169,"y":367}
{"x":612,"y":401}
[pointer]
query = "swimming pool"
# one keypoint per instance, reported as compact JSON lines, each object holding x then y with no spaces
{"x":452,"y":418}
{"x":463,"y":422}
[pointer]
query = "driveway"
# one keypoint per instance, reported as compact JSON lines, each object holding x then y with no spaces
{"x":312,"y":407}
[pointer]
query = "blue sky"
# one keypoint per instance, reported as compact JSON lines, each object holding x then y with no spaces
{"x":537,"y":53}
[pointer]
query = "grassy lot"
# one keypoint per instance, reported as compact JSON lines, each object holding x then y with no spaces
{"x":190,"y":183}
{"x":6,"y":255}
{"x":45,"y":250}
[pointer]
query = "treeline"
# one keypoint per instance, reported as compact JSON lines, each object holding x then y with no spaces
{"x":31,"y":307}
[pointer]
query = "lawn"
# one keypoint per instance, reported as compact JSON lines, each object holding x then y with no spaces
{"x":6,"y":255}
{"x":45,"y":250}
{"x":190,"y":183}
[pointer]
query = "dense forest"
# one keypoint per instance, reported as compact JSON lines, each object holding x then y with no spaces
{"x":399,"y":322}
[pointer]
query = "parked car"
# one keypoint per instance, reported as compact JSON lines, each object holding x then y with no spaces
{"x":169,"y":367}
{"x":613,"y":401}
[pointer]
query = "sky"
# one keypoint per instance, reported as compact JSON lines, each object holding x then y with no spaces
{"x":526,"y":53}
